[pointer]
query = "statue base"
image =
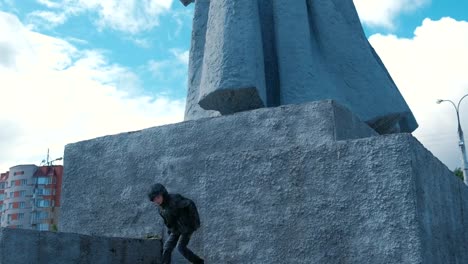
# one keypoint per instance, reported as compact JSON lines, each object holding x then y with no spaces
{"x":306,"y":183}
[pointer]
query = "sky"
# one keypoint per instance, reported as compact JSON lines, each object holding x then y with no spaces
{"x":73,"y":70}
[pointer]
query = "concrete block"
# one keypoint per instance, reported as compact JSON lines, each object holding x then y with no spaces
{"x":127,"y":163}
{"x":373,"y":200}
{"x":15,"y":242}
{"x":20,"y":246}
{"x":295,"y":184}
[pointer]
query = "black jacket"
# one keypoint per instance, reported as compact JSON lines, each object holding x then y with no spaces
{"x":179,"y":213}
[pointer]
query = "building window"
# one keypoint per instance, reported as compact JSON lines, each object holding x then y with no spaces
{"x":44,"y":191}
{"x":2,"y":196}
{"x":2,"y":185}
{"x":9,"y":217}
{"x":43,"y":227}
{"x":40,"y":215}
{"x":22,"y":193}
{"x":22,"y":205}
{"x":10,"y":205}
{"x":24,"y":182}
{"x":43,"y":203}
{"x":43,"y":180}
{"x":18,"y":173}
{"x":20,"y":216}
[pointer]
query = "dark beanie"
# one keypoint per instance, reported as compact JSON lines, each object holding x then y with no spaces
{"x":157,"y":189}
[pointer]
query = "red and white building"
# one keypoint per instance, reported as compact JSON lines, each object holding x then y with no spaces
{"x":30,"y":197}
{"x":3,"y":184}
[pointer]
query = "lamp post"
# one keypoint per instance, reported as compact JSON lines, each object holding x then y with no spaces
{"x":461,"y":139}
{"x":50,"y":163}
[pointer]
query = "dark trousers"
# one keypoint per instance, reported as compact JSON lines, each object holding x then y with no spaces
{"x":183,"y":240}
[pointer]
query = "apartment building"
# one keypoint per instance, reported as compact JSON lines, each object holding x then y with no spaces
{"x":3,"y":183}
{"x":31,"y":197}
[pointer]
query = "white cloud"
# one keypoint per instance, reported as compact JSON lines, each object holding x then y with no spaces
{"x":54,"y":93}
{"x":49,"y":3}
{"x":6,"y":4}
{"x":142,"y":42}
{"x":433,"y":64}
{"x":174,"y":68}
{"x":383,"y":12}
{"x":132,"y":16}
{"x":53,"y":18}
{"x":181,"y":55}
{"x":181,"y":18}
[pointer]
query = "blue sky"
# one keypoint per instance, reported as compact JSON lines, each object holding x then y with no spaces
{"x":91,"y":68}
{"x":128,"y":46}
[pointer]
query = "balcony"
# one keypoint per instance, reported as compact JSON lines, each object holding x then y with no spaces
{"x":42,"y":221}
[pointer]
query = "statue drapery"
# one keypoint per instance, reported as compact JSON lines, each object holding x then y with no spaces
{"x":248,"y":54}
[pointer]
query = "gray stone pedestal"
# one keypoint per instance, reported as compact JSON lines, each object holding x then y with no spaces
{"x":295,"y":184}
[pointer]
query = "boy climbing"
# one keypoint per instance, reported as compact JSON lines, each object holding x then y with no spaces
{"x":180,"y":215}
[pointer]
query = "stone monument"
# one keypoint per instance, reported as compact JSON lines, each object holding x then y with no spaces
{"x":248,"y":54}
{"x":297,"y":168}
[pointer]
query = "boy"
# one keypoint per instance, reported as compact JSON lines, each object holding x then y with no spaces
{"x":180,"y":215}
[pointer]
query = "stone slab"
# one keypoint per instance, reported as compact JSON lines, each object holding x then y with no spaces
{"x":20,"y":246}
{"x":374,"y":200}
{"x":295,"y":184}
{"x":142,"y":157}
{"x":105,"y":179}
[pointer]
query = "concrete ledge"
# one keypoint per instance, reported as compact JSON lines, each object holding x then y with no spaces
{"x":20,"y":246}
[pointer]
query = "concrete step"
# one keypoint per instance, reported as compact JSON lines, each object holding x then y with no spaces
{"x":21,"y":246}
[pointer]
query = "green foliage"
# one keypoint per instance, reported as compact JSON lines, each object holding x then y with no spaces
{"x":459,"y":173}
{"x":54,"y":228}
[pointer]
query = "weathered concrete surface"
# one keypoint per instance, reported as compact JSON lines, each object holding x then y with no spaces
{"x":105,"y":179}
{"x":442,"y":210}
{"x":142,"y":157}
{"x":248,"y":54}
{"x":20,"y":246}
{"x":293,"y":184}
{"x":374,"y":200}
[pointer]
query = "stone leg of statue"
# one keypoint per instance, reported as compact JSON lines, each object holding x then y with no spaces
{"x":233,"y":77}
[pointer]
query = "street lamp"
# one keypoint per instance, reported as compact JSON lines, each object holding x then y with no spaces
{"x":461,"y":142}
{"x":50,"y":162}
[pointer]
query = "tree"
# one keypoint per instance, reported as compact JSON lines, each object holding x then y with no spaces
{"x":459,"y":173}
